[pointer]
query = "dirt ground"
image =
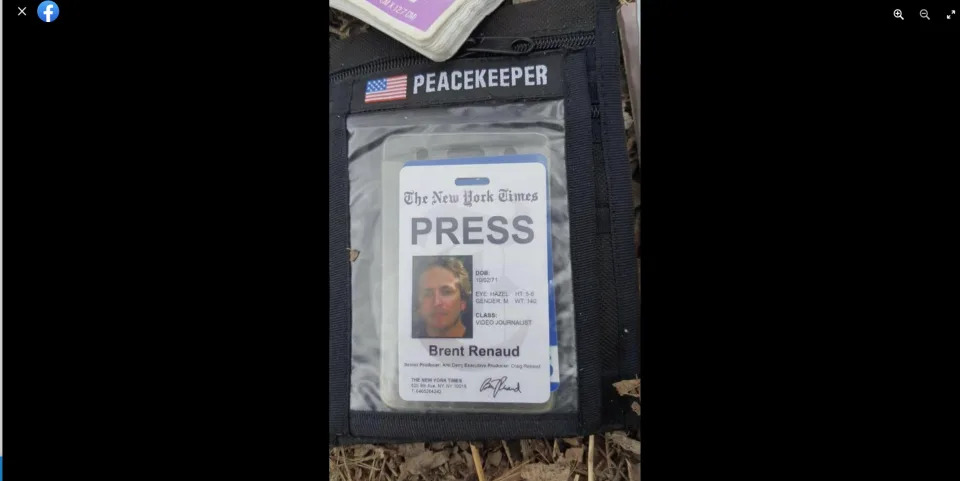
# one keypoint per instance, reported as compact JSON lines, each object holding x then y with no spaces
{"x":612,"y":456}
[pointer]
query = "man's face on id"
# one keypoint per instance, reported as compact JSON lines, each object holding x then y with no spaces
{"x":440,"y":303}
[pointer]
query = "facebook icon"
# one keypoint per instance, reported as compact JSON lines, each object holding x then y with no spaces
{"x":48,"y":11}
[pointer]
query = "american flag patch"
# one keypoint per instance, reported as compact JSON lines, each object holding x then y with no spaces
{"x":384,"y":89}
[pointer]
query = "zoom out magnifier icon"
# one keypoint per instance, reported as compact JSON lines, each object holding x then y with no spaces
{"x":923,"y":14}
{"x":898,"y":14}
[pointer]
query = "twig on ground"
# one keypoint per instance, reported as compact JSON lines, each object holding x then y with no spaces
{"x":590,"y":461}
{"x":477,"y":462}
{"x":513,"y":473}
{"x":343,"y":456}
{"x":606,"y":447}
{"x":619,"y":472}
{"x":392,"y":471}
{"x":507,"y":450}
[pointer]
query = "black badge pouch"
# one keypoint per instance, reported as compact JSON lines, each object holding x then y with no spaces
{"x":547,"y":91}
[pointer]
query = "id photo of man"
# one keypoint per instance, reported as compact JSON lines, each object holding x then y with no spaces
{"x":442,"y":297}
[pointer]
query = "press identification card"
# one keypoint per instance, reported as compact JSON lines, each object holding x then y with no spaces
{"x":476,"y":300}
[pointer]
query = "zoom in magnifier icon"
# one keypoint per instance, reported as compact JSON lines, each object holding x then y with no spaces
{"x":923,"y":14}
{"x":898,"y":14}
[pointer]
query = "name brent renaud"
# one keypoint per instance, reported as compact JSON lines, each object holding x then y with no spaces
{"x":474,"y":351}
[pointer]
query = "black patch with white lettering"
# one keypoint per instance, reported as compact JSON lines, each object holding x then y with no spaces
{"x":532,"y":77}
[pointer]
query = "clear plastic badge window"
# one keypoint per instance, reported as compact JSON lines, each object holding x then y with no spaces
{"x":379,"y":144}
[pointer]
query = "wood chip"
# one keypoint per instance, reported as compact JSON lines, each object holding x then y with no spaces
{"x":572,"y":441}
{"x":633,"y":471}
{"x":574,"y":454}
{"x":636,"y":407}
{"x":628,"y":387}
{"x":526,"y":447}
{"x":437,"y":446}
{"x":544,"y":472}
{"x":463,"y":445}
{"x":353,"y":254}
{"x":621,"y":439}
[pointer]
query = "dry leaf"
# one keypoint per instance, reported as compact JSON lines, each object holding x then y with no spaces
{"x":362,"y":450}
{"x":424,"y":462}
{"x":627,"y":118}
{"x":627,"y":387}
{"x":411,"y":450}
{"x":636,"y":407}
{"x":621,"y":439}
{"x":458,"y":465}
{"x":494,"y":458}
{"x":496,"y":472}
{"x":544,"y":472}
{"x":574,"y":454}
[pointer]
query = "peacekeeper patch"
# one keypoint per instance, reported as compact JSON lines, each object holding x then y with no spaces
{"x":460,"y":81}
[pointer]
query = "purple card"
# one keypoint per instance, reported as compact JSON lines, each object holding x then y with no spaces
{"x":419,"y":14}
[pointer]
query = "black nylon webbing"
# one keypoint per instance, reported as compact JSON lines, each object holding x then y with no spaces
{"x":583,"y":248}
{"x":605,"y":323}
{"x":617,"y":170}
{"x":460,"y":426}
{"x":340,"y":319}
